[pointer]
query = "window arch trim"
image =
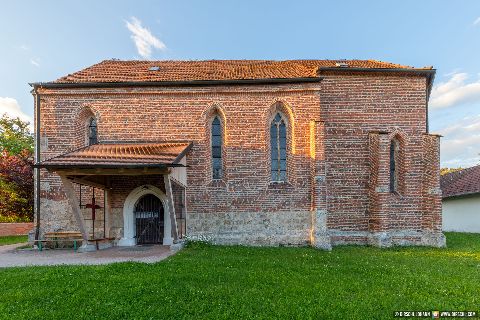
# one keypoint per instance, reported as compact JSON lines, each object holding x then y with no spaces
{"x":394,"y":165}
{"x":210,"y":113}
{"x":92,"y":131}
{"x":217,"y":146}
{"x":397,"y":161}
{"x":279,"y":149}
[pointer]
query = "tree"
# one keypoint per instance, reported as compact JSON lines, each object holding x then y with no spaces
{"x":448,"y":170}
{"x":15,"y":135}
{"x":16,"y":171}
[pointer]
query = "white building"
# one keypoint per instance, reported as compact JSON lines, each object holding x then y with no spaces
{"x":461,"y":200}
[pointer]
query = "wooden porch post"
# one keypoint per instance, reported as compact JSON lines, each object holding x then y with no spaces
{"x":171,"y":207}
{"x":72,"y":199}
{"x":107,"y":212}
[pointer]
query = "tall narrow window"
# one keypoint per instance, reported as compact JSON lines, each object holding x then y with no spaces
{"x":278,"y":147}
{"x":393,"y":166}
{"x":217,"y":148}
{"x":92,"y":131}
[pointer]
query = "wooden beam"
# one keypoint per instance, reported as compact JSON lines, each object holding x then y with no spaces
{"x":171,"y":207}
{"x":72,"y":199}
{"x":178,"y":182}
{"x":86,"y":182}
{"x":107,"y":212}
{"x":110,"y":172}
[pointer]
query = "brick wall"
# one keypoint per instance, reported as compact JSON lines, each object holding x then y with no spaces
{"x":12,"y":229}
{"x":359,"y":202}
{"x":329,"y":154}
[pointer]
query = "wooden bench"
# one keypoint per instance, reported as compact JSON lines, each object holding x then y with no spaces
{"x":63,"y":236}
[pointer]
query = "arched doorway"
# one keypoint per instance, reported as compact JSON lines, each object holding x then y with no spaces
{"x":149,"y":220}
{"x":129,"y":220}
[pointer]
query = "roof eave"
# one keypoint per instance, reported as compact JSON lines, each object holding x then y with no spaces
{"x":105,"y":166}
{"x":463,"y":195}
{"x":54,"y":85}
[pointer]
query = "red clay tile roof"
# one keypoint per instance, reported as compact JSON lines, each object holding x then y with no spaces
{"x":460,"y":183}
{"x":138,"y":71}
{"x":118,"y":155}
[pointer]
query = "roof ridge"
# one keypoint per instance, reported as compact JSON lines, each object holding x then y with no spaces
{"x":244,"y":60}
{"x":385,"y":62}
{"x":459,"y":172}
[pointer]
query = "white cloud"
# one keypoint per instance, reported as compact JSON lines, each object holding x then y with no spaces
{"x":477,"y":21}
{"x":455,"y":91}
{"x":11,"y":107}
{"x":460,"y":145}
{"x":144,"y":40}
{"x":35,"y":62}
{"x":451,"y":73}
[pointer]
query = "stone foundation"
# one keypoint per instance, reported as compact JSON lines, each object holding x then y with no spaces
{"x":295,"y":228}
{"x":282,"y":228}
{"x":290,"y":228}
{"x":388,"y":239}
{"x":56,"y":215}
{"x":116,"y":224}
{"x":434,"y":239}
{"x":320,"y":237}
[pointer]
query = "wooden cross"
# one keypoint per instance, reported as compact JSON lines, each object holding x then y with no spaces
{"x":94,"y":206}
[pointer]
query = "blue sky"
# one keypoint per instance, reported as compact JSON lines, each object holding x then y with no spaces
{"x":41,"y":42}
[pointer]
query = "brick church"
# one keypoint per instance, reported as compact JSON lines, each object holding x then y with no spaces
{"x":253,"y":152}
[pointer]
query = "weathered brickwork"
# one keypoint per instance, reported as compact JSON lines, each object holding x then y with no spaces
{"x":13,"y":229}
{"x":338,"y":135}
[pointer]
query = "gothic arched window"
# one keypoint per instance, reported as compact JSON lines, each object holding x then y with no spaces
{"x":92,"y":131}
{"x":278,"y":148}
{"x":217,"y":148}
{"x":394,"y":165}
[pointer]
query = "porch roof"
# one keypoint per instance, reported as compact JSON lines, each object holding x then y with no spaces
{"x":121,"y":155}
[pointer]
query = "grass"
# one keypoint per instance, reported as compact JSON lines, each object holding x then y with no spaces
{"x":244,"y":283}
{"x":12,"y":239}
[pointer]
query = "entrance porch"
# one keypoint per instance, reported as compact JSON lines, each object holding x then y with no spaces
{"x":125,"y":194}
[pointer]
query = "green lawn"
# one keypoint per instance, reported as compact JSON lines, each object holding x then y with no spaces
{"x":12,"y":239}
{"x":243,"y":282}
